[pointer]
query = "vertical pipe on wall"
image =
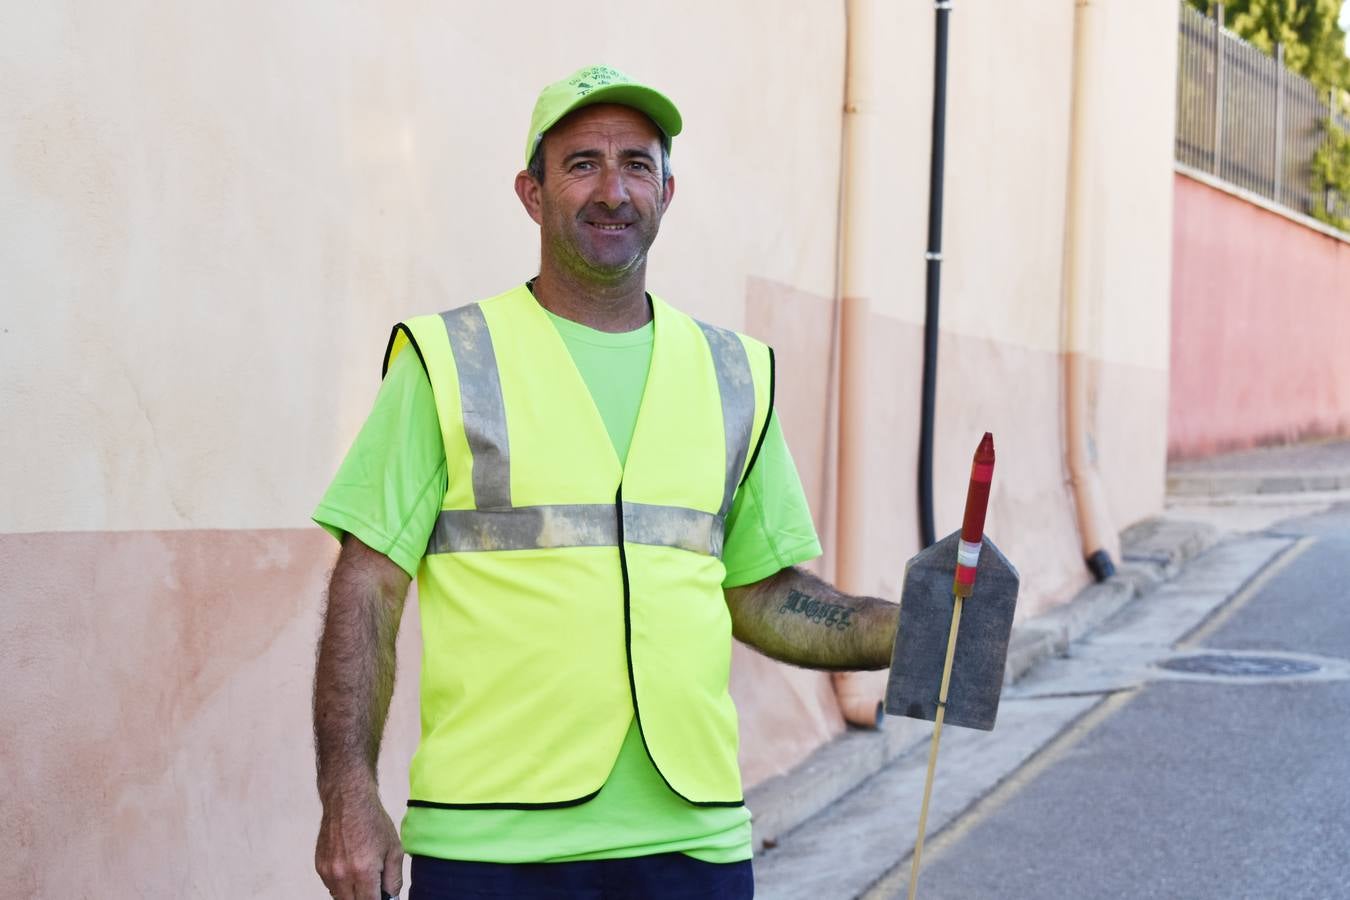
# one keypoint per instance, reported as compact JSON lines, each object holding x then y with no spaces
{"x":858,"y":693}
{"x":1080,"y":300}
{"x":933,"y":273}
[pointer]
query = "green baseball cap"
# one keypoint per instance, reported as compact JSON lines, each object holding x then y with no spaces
{"x":599,"y":84}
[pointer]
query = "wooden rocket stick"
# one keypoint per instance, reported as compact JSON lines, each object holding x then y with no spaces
{"x":963,"y":584}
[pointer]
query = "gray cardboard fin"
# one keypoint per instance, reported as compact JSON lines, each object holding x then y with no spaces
{"x":926,"y":604}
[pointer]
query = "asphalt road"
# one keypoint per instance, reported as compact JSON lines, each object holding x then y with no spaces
{"x":1229,"y":787}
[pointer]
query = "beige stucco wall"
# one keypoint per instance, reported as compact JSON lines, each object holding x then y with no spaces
{"x":1130,"y":223}
{"x":1003,"y":291}
{"x":215,"y":205}
{"x":211,"y":214}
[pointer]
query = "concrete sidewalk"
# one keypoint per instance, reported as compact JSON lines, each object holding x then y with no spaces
{"x":1313,"y":466}
{"x":842,"y":824}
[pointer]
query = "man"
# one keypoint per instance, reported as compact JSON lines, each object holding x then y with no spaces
{"x":595,"y":496}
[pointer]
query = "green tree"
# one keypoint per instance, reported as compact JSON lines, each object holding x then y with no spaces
{"x":1330,"y":170}
{"x":1314,"y":44}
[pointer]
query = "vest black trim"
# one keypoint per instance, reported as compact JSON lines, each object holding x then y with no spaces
{"x":628,"y":652}
{"x":754,"y":457}
{"x":389,"y":349}
{"x":560,"y":804}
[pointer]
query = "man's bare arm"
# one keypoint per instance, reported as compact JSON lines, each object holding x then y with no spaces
{"x":358,"y":849}
{"x":795,"y":617}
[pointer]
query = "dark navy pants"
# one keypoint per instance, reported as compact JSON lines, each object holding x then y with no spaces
{"x":668,"y":876}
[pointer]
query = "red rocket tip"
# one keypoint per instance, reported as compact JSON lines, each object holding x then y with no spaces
{"x":972,"y":523}
{"x":985,"y":452}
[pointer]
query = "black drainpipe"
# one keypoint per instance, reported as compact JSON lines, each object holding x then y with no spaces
{"x":934,"y":275}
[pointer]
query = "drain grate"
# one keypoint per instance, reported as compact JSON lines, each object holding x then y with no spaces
{"x":1228,"y":664}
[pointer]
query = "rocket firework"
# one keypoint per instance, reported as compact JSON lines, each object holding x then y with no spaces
{"x":972,"y":524}
{"x":963,"y":584}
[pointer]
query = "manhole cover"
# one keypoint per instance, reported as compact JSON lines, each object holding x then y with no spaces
{"x":1224,"y":664}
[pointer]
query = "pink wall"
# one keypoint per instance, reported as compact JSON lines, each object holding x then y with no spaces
{"x":155,"y":727}
{"x":1260,"y":321}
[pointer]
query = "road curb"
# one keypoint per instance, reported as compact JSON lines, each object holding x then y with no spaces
{"x":781,"y":803}
{"x":1217,"y":484}
{"x":1152,"y":552}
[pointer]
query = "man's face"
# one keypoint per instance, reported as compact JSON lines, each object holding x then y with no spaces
{"x":601,"y":201}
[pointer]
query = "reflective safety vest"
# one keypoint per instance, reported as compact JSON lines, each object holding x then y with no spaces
{"x":563,"y":593}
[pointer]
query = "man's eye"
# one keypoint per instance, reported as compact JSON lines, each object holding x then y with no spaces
{"x":640,"y":166}
{"x":584,"y":165}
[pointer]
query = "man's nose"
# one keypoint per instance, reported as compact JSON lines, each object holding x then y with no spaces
{"x":612,"y":192}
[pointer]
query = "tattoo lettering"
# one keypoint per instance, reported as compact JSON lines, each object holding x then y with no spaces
{"x":830,"y":615}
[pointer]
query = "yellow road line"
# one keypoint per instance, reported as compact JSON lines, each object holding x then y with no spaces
{"x":891,"y":884}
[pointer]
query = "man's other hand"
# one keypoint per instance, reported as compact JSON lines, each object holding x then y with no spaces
{"x":359,"y":853}
{"x":358,"y":850}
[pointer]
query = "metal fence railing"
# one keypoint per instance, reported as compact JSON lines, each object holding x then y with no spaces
{"x":1244,"y":117}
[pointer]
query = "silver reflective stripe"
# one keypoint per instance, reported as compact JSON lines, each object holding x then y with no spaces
{"x":738,"y":402}
{"x":575,"y":525}
{"x":673,"y":526}
{"x":480,"y":396}
{"x":525,"y":528}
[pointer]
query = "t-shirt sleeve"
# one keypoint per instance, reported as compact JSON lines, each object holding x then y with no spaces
{"x":769,"y":527}
{"x":389,"y":489}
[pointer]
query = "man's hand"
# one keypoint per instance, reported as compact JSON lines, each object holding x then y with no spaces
{"x":358,"y":850}
{"x":359,"y":853}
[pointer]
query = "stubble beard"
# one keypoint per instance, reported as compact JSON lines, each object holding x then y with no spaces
{"x":568,"y":257}
{"x":571,"y":261}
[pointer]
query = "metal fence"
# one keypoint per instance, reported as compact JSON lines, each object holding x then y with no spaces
{"x":1244,"y":117}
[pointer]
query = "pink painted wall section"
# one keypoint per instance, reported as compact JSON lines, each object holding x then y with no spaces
{"x":1260,"y":321}
{"x":156,"y":722}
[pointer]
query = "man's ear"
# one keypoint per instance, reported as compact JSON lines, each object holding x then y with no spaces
{"x":528,"y":190}
{"x":668,"y":194}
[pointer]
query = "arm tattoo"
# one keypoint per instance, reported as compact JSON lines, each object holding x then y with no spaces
{"x":795,"y":617}
{"x":830,"y":615}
